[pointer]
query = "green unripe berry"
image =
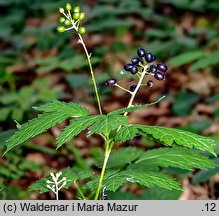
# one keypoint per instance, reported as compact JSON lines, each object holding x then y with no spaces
{"x":82,"y":30}
{"x":82,"y":16}
{"x":76,"y":16}
{"x":61,"y":10}
{"x":61,"y":29}
{"x":77,"y":9}
{"x":61,"y":19}
{"x":68,"y":6}
{"x":67,"y":22}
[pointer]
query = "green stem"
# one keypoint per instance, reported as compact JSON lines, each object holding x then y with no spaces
{"x":108,"y":149}
{"x":88,"y":57}
{"x":92,"y":73}
{"x":79,"y":190}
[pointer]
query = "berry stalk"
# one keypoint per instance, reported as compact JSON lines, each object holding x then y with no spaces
{"x":136,"y":88}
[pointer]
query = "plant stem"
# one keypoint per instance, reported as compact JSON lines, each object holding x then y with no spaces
{"x":136,"y":89}
{"x":117,"y":85}
{"x":88,"y":59}
{"x":57,"y":191}
{"x":79,"y":190}
{"x":135,"y":92}
{"x":108,"y":149}
{"x":92,"y":73}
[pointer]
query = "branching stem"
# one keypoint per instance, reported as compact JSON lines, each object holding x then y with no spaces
{"x":109,"y":143}
{"x":136,"y":89}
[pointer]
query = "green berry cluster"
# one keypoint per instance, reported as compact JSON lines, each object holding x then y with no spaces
{"x":71,"y":18}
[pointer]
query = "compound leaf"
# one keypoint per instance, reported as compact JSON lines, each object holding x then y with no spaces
{"x":74,"y":109}
{"x":148,"y":179}
{"x":175,"y":157}
{"x":169,"y":136}
{"x":54,"y":112}
{"x":92,"y":184}
{"x":123,"y":156}
{"x":105,"y":124}
{"x":75,"y":127}
{"x":126,"y":133}
{"x":34,"y":127}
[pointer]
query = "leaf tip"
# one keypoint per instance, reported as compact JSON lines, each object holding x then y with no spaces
{"x":6,"y":151}
{"x":213,"y":152}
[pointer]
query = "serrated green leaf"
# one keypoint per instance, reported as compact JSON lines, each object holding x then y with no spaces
{"x":133,"y":108}
{"x":186,"y":58}
{"x":175,"y":157}
{"x":75,"y":127}
{"x":113,"y":180}
{"x":142,"y":167}
{"x":92,"y":185}
{"x":170,"y":136}
{"x":123,"y":156}
{"x":5,"y":135}
{"x":167,"y":136}
{"x":34,"y":127}
{"x":105,"y":124}
{"x":126,"y":133}
{"x":71,"y":174}
{"x":147,"y":179}
{"x":73,"y":109}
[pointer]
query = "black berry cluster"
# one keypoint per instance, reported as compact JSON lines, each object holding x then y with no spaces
{"x":138,"y":64}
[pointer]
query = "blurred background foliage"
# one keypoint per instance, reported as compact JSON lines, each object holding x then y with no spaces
{"x":38,"y":64}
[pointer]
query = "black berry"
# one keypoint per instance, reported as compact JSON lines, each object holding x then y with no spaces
{"x":150,"y":83}
{"x":136,"y":61}
{"x":162,"y":67}
{"x":159,"y":76}
{"x":154,"y":58}
{"x":141,"y":52}
{"x":110,"y":82}
{"x":153,"y":69}
{"x":132,"y":88}
{"x":149,"y":57}
{"x":134,"y":70}
{"x":128,"y":67}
